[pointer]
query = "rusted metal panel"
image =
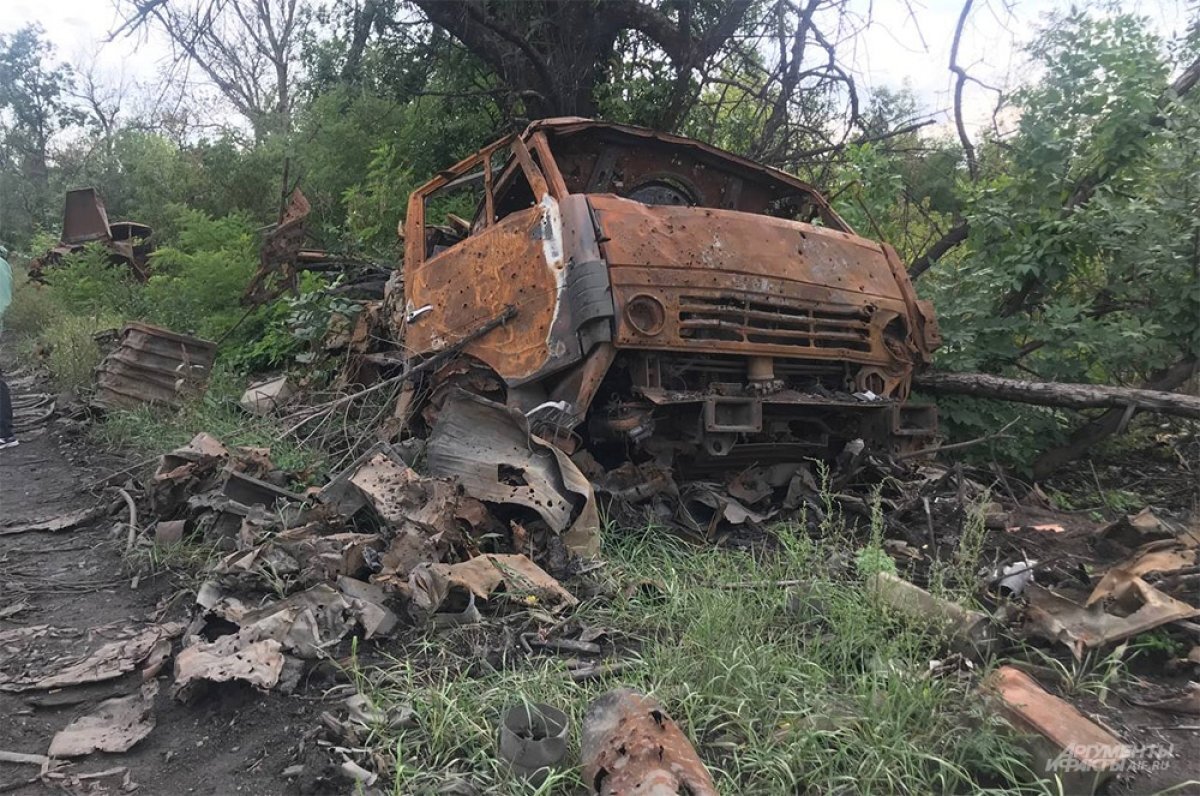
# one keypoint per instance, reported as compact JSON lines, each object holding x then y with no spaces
{"x":277,"y":271}
{"x":630,"y":745}
{"x":153,"y":365}
{"x":84,"y":217}
{"x":774,"y":287}
{"x":477,"y":279}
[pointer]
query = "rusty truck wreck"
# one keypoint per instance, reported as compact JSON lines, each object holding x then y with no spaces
{"x":85,"y":220}
{"x":671,"y":300}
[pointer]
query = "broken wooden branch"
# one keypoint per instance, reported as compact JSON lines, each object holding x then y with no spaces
{"x":507,"y":315}
{"x":1060,"y":394}
{"x":957,"y":445}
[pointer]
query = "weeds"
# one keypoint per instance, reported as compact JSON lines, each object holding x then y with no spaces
{"x":1094,"y":674}
{"x":155,"y":430}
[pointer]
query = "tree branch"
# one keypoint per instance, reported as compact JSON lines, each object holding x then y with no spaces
{"x":959,"y":82}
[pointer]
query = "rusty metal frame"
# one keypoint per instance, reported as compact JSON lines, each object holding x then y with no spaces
{"x":537,"y":180}
{"x":414,"y":245}
{"x":539,"y":183}
{"x":570,"y":124}
{"x":558,"y":186}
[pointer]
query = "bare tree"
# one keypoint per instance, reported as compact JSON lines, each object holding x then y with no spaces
{"x":102,"y":95}
{"x":552,"y":54}
{"x":247,"y":48}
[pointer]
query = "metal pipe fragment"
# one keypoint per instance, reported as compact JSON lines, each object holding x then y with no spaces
{"x":630,"y":745}
{"x":968,"y":631}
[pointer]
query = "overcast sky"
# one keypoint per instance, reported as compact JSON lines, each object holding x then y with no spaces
{"x":906,"y":43}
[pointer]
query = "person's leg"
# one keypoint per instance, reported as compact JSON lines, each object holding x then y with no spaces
{"x":6,"y":413}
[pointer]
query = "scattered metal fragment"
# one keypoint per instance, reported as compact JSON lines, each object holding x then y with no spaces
{"x":1013,"y":578}
{"x":153,"y":365}
{"x":23,"y":758}
{"x":114,"y":726}
{"x":58,"y":522}
{"x":32,"y":410}
{"x":534,"y":740}
{"x":487,"y":447}
{"x":307,"y":623}
{"x":630,"y":745}
{"x":432,"y":585}
{"x":169,"y":532}
{"x":358,"y":774}
{"x":265,"y":397}
{"x":234,"y":657}
{"x":12,"y":609}
{"x":1161,"y":556}
{"x":1087,"y":754}
{"x":1141,"y":607}
{"x":54,"y":666}
{"x":1187,"y":702}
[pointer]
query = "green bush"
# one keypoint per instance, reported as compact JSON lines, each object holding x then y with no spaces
{"x":90,"y":283}
{"x":197,"y":283}
{"x":33,"y":308}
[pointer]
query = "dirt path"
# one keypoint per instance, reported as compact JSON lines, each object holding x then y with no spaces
{"x":237,"y":741}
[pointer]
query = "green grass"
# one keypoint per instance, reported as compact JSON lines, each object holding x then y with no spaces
{"x":154,"y":430}
{"x":831,"y":696}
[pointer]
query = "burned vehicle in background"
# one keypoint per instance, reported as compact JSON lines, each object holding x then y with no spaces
{"x":86,"y":221}
{"x":672,"y":301}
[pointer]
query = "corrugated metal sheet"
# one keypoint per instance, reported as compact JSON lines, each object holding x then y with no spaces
{"x":153,"y":365}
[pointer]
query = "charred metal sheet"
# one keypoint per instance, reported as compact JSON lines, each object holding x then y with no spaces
{"x":153,"y":365}
{"x":84,"y":217}
{"x":488,"y":447}
{"x":478,"y":278}
{"x":631,"y":745}
{"x":280,"y":250}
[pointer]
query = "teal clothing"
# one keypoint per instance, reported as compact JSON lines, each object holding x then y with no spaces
{"x":6,"y":288}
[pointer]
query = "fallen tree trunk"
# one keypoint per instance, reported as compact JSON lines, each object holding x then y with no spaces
{"x":1071,"y":396}
{"x":1111,"y":422}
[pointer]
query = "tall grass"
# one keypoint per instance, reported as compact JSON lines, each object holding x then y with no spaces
{"x":153,"y":430}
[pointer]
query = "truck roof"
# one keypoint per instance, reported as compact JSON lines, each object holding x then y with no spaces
{"x":570,"y":125}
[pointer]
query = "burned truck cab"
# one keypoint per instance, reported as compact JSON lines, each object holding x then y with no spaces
{"x":668,"y":300}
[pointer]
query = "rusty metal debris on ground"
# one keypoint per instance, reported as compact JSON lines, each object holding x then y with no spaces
{"x":631,"y":321}
{"x":85,"y":221}
{"x":265,"y":397}
{"x":534,"y":740}
{"x":114,"y":726}
{"x":152,"y":365}
{"x":1056,"y":729}
{"x":969,"y":631}
{"x":283,"y":256}
{"x":41,"y":657}
{"x":631,"y":745}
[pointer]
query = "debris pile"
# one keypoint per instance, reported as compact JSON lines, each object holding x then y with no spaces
{"x":152,"y":365}
{"x":377,"y":546}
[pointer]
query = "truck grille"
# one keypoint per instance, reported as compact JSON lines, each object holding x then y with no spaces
{"x":743,"y":321}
